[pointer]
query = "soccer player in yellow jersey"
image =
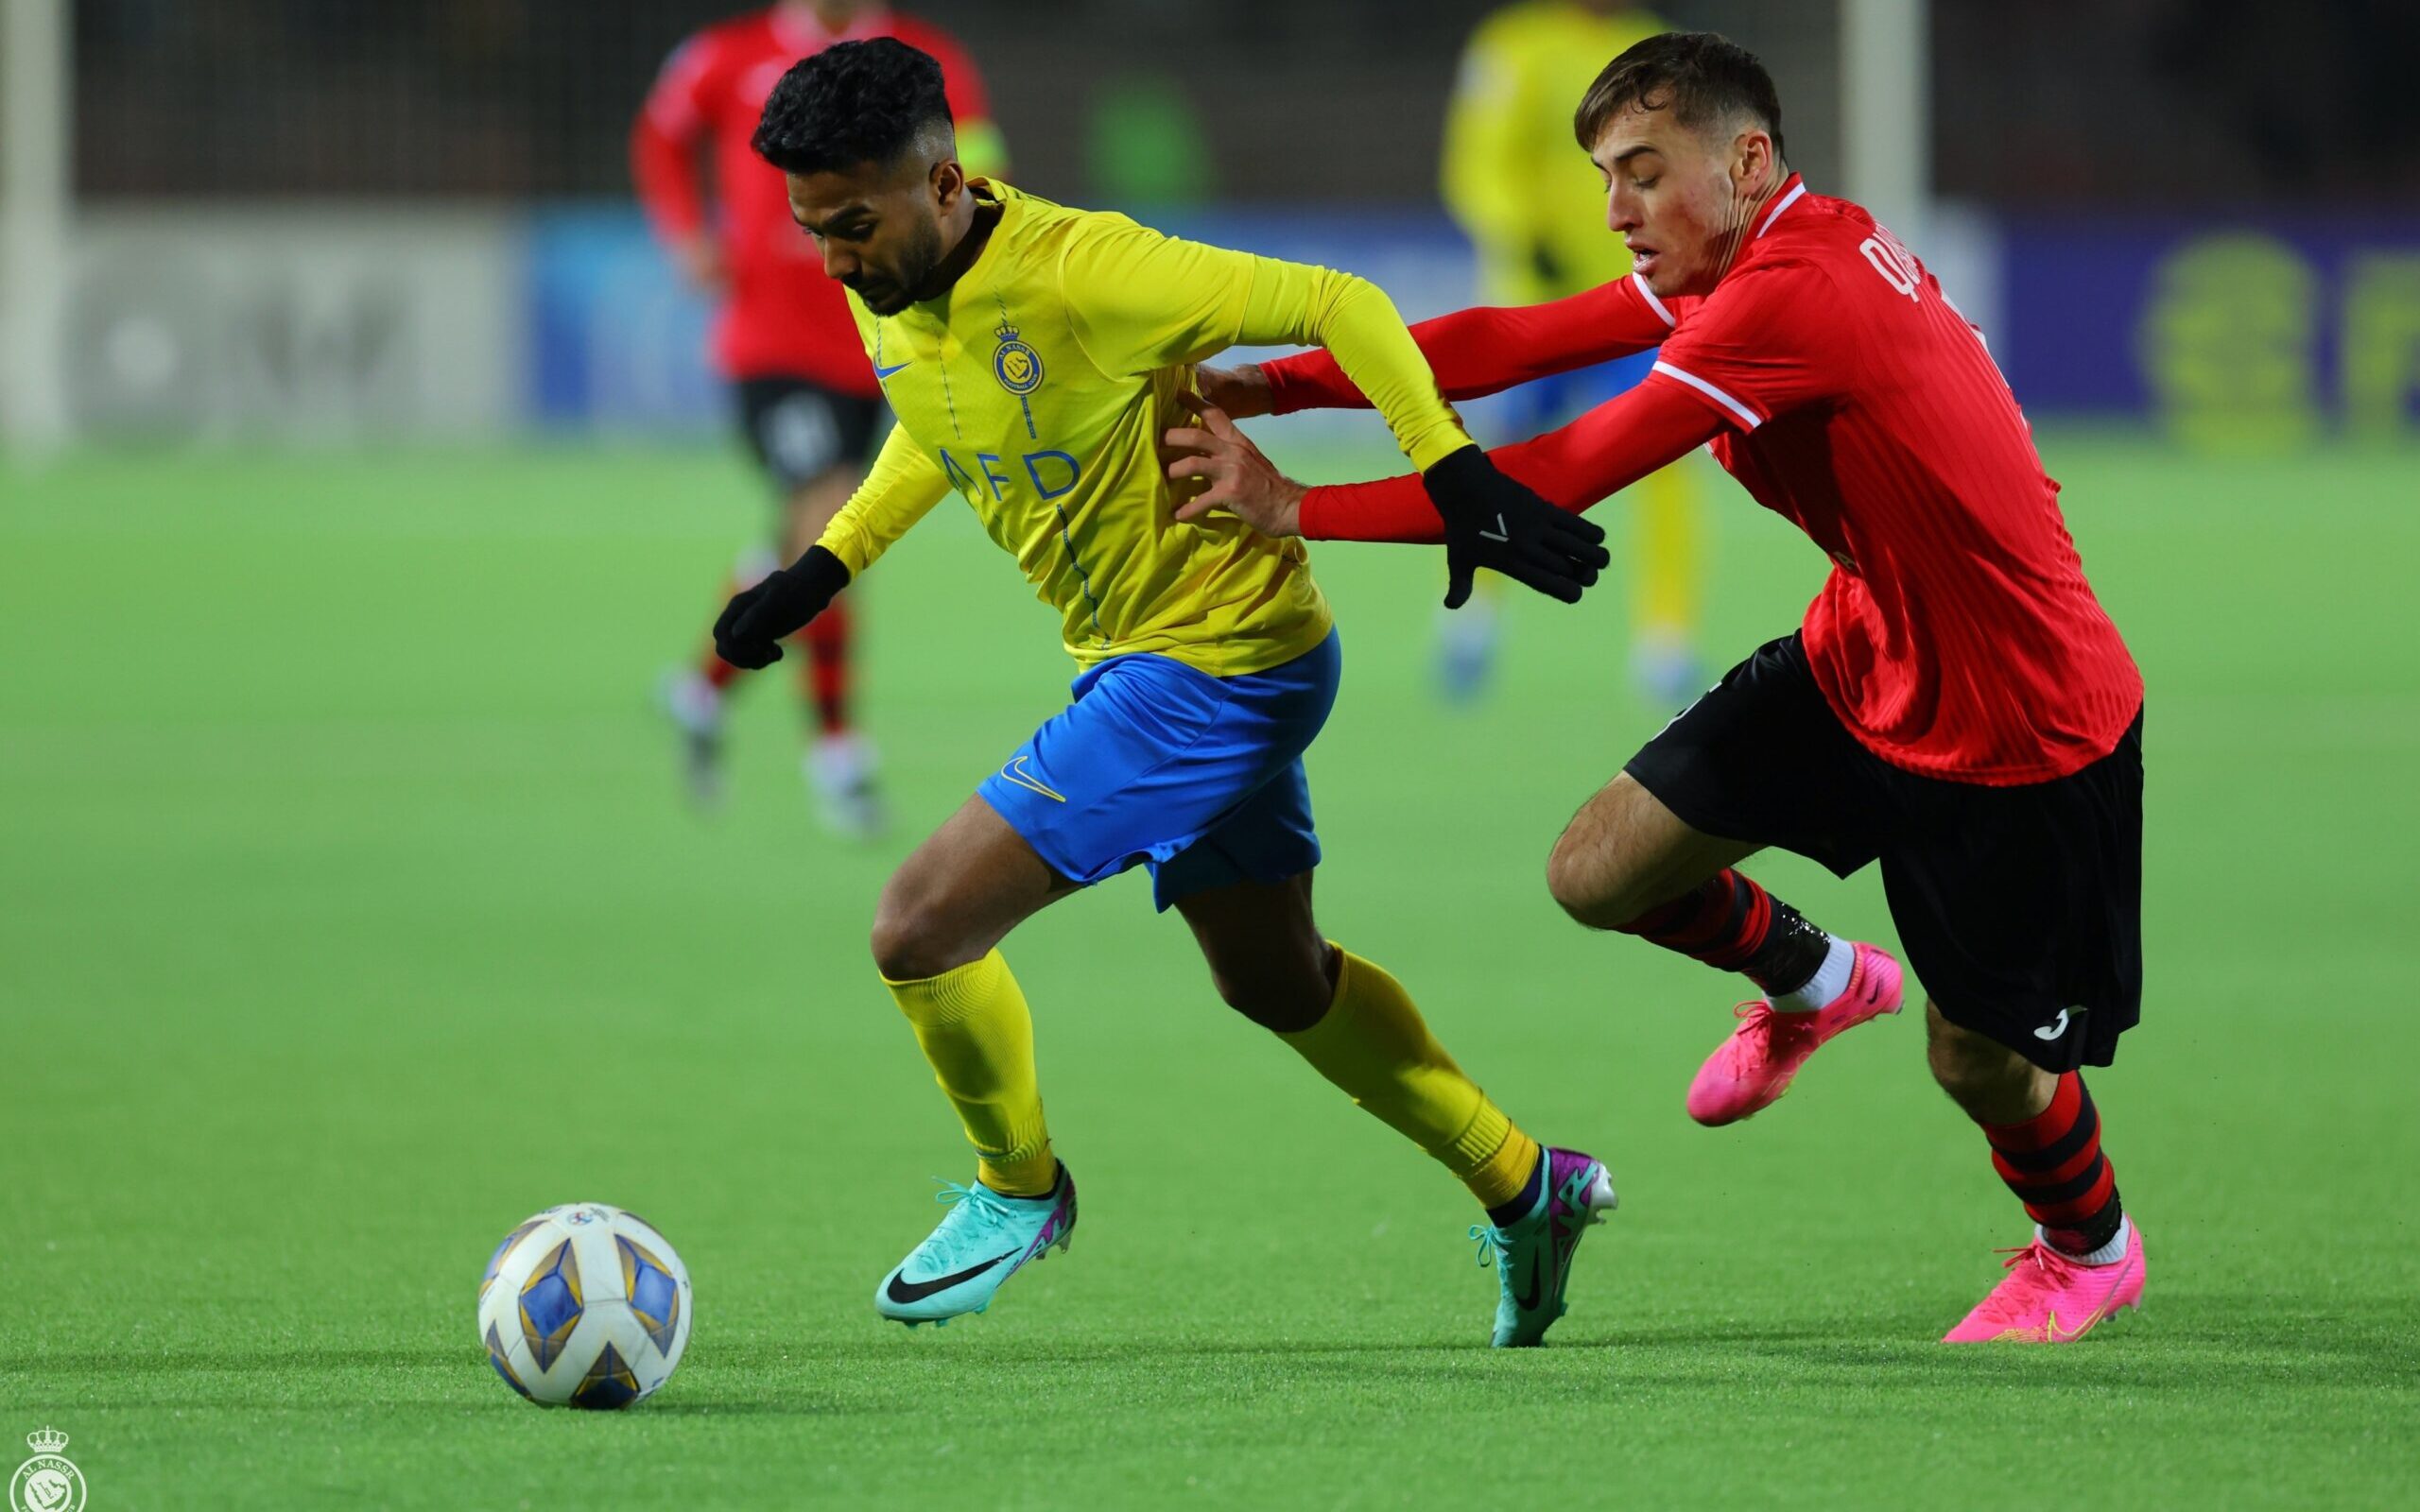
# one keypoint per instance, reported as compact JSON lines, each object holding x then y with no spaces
{"x":1034,"y":355}
{"x":1531,"y":208}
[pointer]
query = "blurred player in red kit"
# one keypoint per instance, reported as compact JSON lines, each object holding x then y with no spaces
{"x":807,"y":402}
{"x":1955,"y":705}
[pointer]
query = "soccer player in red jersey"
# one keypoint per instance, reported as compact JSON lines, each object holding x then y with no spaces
{"x":1956,"y":704}
{"x":809,"y":402}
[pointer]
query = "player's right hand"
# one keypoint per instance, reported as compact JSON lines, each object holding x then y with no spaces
{"x":1493,"y":521}
{"x":1221,"y":469}
{"x":753,"y":625}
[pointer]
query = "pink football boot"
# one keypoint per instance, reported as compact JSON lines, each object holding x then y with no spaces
{"x":1754,"y":1066}
{"x":2047,"y":1298}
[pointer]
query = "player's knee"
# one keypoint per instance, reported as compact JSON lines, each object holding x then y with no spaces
{"x":1569,"y":879}
{"x":901,"y":949}
{"x":912,"y":938}
{"x":1958,"y":1071}
{"x":1584,"y":887}
{"x":1980,"y":1076}
{"x":1283,"y":995}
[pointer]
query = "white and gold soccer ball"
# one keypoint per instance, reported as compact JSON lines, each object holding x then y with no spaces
{"x":586,"y":1305}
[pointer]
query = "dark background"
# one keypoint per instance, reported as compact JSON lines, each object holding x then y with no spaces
{"x":2074,"y":102}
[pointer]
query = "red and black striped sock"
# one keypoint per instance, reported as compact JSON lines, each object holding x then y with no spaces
{"x":825,"y":676}
{"x":1734,"y":925}
{"x":2052,"y":1162}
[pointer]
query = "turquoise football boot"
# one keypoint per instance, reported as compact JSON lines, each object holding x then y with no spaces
{"x":1532,"y":1255}
{"x":985,"y":1239}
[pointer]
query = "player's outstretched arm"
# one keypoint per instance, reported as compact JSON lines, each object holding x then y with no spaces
{"x":901,"y":488}
{"x":1485,"y":517}
{"x":1575,"y":466}
{"x":1138,"y":300}
{"x":1473,"y":352}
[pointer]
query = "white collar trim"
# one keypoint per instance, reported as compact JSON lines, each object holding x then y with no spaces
{"x":1787,"y":200}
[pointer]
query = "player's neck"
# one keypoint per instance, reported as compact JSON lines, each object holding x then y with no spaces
{"x":982,"y":215}
{"x":1752,"y":213}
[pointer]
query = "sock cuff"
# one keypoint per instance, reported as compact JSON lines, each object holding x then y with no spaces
{"x":1026,"y":1170}
{"x":2111,"y":1251}
{"x":2069,"y":1104}
{"x":1490,"y":1127}
{"x":953,"y":996}
{"x":1340,"y":1004}
{"x":1828,"y":981}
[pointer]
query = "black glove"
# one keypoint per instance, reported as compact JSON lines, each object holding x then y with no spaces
{"x":1492,"y":521}
{"x":753,"y":625}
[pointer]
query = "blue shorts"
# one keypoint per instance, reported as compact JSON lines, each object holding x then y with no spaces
{"x":1199,"y":778}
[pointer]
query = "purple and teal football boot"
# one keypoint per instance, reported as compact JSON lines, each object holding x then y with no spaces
{"x":985,"y":1239}
{"x":1534,"y":1254}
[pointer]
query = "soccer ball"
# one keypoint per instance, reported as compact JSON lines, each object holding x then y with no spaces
{"x":584,"y":1304}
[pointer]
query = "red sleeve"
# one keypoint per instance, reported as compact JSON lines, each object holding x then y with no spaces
{"x":663,"y":142}
{"x":1477,"y":352}
{"x":1767,"y":340}
{"x":1597,"y":456}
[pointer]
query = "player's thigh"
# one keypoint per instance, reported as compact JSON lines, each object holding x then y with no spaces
{"x":1759,"y":760}
{"x":1625,"y":852}
{"x":1263,"y":950}
{"x":958,"y":894}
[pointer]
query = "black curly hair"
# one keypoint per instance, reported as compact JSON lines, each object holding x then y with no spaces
{"x":852,"y":103}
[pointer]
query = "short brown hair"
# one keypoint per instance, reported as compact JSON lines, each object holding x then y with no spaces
{"x":1703,"y":77}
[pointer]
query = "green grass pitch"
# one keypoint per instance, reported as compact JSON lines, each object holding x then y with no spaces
{"x":351,"y":914}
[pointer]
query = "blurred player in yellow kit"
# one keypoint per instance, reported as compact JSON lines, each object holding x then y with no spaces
{"x":1035,"y":355}
{"x":1533,"y":210}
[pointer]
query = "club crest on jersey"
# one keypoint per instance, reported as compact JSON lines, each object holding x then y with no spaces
{"x":1016,"y":365}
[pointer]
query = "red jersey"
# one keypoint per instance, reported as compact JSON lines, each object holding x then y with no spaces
{"x":783,"y":316}
{"x":1956,"y":636}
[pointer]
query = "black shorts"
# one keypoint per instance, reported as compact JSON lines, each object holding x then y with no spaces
{"x":2020,"y":908}
{"x":798,"y":431}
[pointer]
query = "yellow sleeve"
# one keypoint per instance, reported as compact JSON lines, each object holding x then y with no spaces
{"x":1484,"y":164}
{"x":901,"y":488}
{"x":1139,"y":301}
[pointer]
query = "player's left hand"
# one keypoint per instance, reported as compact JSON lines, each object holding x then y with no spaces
{"x":1500,"y":524}
{"x":1242,"y":391}
{"x":753,"y":625}
{"x":1242,"y":480}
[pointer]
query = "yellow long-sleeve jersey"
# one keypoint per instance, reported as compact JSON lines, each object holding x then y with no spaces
{"x":1514,"y":181}
{"x":1038,"y":388}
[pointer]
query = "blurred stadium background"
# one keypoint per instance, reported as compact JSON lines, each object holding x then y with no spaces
{"x":313,"y":220}
{"x":363,"y":470}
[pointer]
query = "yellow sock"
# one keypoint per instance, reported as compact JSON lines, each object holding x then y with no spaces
{"x":1667,"y":556}
{"x":1373,"y":1044}
{"x":977,"y":1033}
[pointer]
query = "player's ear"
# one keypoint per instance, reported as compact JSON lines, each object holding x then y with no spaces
{"x":1758,"y":162}
{"x":948,"y":178}
{"x":1745,"y":160}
